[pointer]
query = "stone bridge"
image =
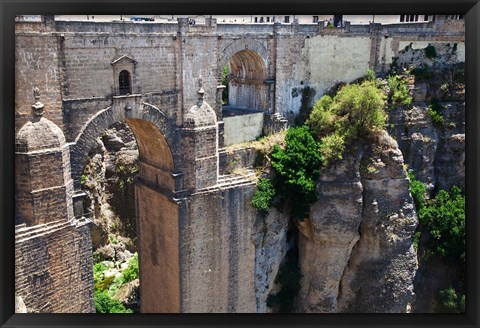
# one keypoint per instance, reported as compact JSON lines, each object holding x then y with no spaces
{"x":195,"y":223}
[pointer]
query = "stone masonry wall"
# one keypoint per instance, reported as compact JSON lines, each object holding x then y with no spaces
{"x":36,"y":65}
{"x":217,"y":251}
{"x":158,"y":238}
{"x":50,"y":267}
{"x":71,"y":61}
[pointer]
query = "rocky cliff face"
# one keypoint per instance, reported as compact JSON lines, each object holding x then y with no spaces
{"x":433,"y":146}
{"x":107,"y":181}
{"x":358,"y":256}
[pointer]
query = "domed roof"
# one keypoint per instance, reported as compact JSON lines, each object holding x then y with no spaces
{"x":39,"y":134}
{"x":201,"y":116}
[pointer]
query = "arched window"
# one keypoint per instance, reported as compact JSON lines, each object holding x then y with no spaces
{"x":124,"y":86}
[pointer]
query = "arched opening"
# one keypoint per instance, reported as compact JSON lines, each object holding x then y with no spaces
{"x":107,"y":181}
{"x":124,"y":83}
{"x":135,"y":168}
{"x":247,"y":81}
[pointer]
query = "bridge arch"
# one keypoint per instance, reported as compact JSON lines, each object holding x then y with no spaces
{"x":248,"y":66}
{"x":157,"y":211}
{"x":146,"y":121}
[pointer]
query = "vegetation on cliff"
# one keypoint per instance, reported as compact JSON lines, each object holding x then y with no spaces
{"x":442,"y":228}
{"x":356,"y":111}
{"x":359,"y":111}
{"x":109,"y":278}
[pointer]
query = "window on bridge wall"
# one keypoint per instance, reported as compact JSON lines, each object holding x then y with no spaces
{"x":124,"y":76}
{"x":124,"y":83}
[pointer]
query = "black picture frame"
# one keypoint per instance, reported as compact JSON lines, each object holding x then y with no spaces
{"x":10,"y":8}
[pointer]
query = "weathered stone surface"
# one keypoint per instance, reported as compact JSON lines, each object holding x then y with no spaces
{"x":128,"y":294}
{"x":435,"y":152}
{"x":52,"y":264}
{"x":360,"y":257}
{"x":217,"y":252}
{"x":335,"y":219}
{"x":270,"y":240}
{"x":379,"y":276}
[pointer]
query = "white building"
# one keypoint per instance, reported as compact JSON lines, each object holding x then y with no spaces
{"x":336,"y":20}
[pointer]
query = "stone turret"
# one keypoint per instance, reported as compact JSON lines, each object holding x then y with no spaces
{"x":200,"y":144}
{"x":43,"y":182}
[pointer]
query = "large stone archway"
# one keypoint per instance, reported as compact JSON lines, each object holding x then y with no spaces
{"x":249,"y":82}
{"x":156,"y":210}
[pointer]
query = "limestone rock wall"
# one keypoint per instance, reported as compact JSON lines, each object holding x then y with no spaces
{"x":334,"y":220}
{"x":360,"y":257}
{"x":379,"y":276}
{"x":435,"y":152}
{"x":270,"y":239}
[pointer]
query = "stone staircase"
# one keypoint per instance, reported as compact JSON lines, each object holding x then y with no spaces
{"x":23,"y":232}
{"x":233,"y":180}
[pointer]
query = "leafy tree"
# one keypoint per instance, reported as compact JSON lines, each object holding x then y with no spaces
{"x":297,"y":167}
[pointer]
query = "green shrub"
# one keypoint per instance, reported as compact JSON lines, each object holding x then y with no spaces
{"x":430,"y":51}
{"x":444,"y":217}
{"x":434,"y":110}
{"x":370,"y":76}
{"x":362,"y":106}
{"x":131,"y":272}
{"x":106,"y":304}
{"x":297,"y":167}
{"x":322,"y":120}
{"x":399,"y":94}
{"x":331,"y":148}
{"x":263,"y":197}
{"x":357,"y":110}
{"x":100,"y":281}
{"x":225,"y":80}
{"x":417,"y":189}
{"x":451,"y":301}
{"x":107,"y":287}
